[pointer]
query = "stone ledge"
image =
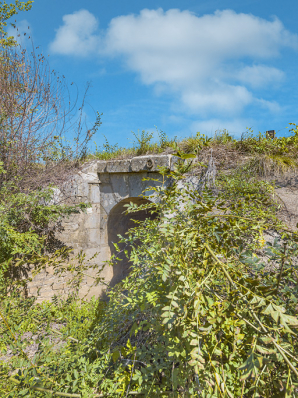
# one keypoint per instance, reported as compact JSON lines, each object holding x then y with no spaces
{"x":147,"y":163}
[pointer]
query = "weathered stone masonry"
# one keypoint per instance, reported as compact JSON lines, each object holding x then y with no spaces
{"x":107,"y":186}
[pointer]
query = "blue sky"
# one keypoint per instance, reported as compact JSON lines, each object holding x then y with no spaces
{"x":183,"y":66}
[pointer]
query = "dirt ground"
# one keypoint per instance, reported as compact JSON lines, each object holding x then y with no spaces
{"x":287,"y":195}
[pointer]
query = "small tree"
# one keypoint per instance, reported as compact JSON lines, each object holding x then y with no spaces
{"x":35,"y":112}
{"x":7,"y":11}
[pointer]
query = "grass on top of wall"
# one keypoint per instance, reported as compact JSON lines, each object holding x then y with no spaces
{"x":262,"y":155}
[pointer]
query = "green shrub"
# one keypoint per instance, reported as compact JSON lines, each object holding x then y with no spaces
{"x":142,"y":144}
{"x":108,"y":151}
{"x":209,"y":309}
{"x":265,"y":145}
{"x":223,"y":137}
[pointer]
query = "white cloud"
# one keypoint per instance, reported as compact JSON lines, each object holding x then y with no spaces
{"x":272,"y":106}
{"x":77,"y":36}
{"x":197,"y":58}
{"x":222,"y":98}
{"x":258,"y":76}
{"x":234,"y":127}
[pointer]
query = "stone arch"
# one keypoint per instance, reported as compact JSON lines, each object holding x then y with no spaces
{"x":120,"y":223}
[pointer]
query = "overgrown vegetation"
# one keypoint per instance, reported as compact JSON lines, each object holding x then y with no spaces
{"x":263,"y":155}
{"x":209,"y":308}
{"x":143,"y":144}
{"x":35,"y":158}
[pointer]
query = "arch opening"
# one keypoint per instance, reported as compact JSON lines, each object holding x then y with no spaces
{"x":120,"y":223}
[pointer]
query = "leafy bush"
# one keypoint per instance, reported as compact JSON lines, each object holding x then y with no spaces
{"x":35,"y":158}
{"x":48,"y":322}
{"x":7,"y":11}
{"x":265,"y":145}
{"x":142,"y":145}
{"x":223,"y":137}
{"x":108,"y":151}
{"x":28,"y":223}
{"x":202,"y":314}
{"x":208,"y":309}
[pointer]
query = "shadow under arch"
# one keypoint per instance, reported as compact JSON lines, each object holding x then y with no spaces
{"x":120,"y":223}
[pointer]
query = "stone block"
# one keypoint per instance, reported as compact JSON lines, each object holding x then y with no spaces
{"x":92,"y":251}
{"x":94,"y":291}
{"x":136,"y":184}
{"x":104,"y":178}
{"x":58,"y":286}
{"x":108,"y":199}
{"x":84,"y":290}
{"x":70,"y":218}
{"x":93,"y":236}
{"x":150,"y":163}
{"x":94,"y":193}
{"x":39,"y":277}
{"x":118,"y":166}
{"x":92,"y":221}
{"x":101,"y":166}
{"x":50,"y":270}
{"x":120,"y":186}
{"x":90,"y":178}
{"x":90,"y":167}
{"x":71,"y":227}
{"x":46,"y":292}
{"x":33,"y":291}
{"x":46,"y":295}
{"x":82,"y":188}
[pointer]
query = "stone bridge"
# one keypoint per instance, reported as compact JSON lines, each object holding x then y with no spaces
{"x":107,"y":186}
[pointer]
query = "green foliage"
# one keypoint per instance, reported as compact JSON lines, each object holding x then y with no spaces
{"x":266,"y":156}
{"x":141,"y":146}
{"x":265,"y":145}
{"x":208,"y":309}
{"x":67,"y":321}
{"x":164,"y":141}
{"x":252,"y":196}
{"x":28,"y":222}
{"x":142,"y":142}
{"x":108,"y":151}
{"x":265,"y":165}
{"x":202,"y":314}
{"x":8,"y":10}
{"x":223,"y":137}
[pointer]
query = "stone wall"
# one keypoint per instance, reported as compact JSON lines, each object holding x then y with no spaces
{"x":106,"y":186}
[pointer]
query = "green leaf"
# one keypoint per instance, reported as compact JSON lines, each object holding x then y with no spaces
{"x":264,"y":350}
{"x":279,"y":316}
{"x":182,"y":155}
{"x":116,"y":355}
{"x":252,"y":366}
